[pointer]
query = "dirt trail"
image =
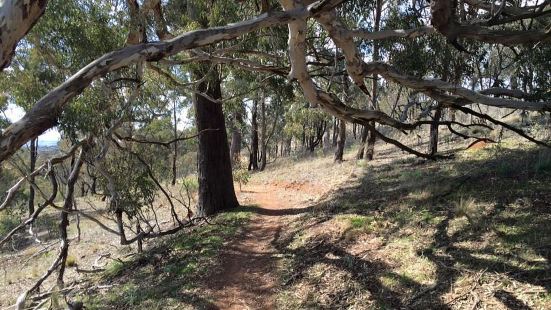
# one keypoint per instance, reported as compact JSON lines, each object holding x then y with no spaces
{"x":248,"y":275}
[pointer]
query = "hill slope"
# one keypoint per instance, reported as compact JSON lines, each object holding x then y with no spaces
{"x":470,"y":232}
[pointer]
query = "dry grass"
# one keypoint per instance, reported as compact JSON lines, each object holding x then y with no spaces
{"x":467,"y":233}
{"x":463,"y":233}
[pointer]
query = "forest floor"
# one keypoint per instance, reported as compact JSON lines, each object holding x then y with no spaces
{"x":470,"y":232}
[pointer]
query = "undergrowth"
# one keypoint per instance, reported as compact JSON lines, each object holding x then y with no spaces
{"x":168,"y":274}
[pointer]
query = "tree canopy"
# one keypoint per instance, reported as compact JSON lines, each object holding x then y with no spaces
{"x":116,"y":78}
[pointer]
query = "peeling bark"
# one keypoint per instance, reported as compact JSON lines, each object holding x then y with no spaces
{"x":343,"y":39}
{"x":16,"y":19}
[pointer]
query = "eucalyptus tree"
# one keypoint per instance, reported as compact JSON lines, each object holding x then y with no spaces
{"x":18,"y":18}
{"x":216,"y":191}
{"x":39,"y":64}
{"x":210,"y":33}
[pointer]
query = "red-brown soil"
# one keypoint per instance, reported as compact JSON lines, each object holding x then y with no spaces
{"x":248,"y":276}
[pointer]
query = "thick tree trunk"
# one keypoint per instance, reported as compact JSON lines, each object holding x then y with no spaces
{"x":216,"y":190}
{"x":340,"y":141}
{"x":253,"y":156}
{"x":433,"y":143}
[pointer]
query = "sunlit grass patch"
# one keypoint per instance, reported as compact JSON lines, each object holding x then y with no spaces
{"x":422,"y":194}
{"x":352,"y":221}
{"x":351,"y":226}
{"x":450,"y":225}
{"x":400,"y":249}
{"x":390,"y":280}
{"x":409,"y":216}
{"x":114,"y":269}
{"x":419,"y":269}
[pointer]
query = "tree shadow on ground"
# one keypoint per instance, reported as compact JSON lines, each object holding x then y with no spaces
{"x":169,"y":273}
{"x":485,"y":213}
{"x":272,"y":212}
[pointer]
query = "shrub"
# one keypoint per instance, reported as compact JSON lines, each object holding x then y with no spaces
{"x":189,"y":183}
{"x":241,"y":176}
{"x":71,"y":261}
{"x":8,"y":221}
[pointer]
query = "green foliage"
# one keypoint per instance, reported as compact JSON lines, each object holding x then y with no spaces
{"x":358,"y":222}
{"x":71,"y":261}
{"x":132,"y":182}
{"x":190,"y":183}
{"x":302,"y":120}
{"x":241,"y":176}
{"x":8,"y":221}
{"x":114,"y":269}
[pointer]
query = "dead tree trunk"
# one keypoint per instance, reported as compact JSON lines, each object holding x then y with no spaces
{"x":175,"y":154}
{"x":216,"y":190}
{"x":67,"y":208}
{"x":433,"y":144}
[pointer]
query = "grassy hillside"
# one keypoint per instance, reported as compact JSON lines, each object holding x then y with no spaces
{"x":463,"y":233}
{"x":399,"y":232}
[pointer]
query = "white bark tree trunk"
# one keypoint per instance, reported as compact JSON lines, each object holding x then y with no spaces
{"x":16,"y":20}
